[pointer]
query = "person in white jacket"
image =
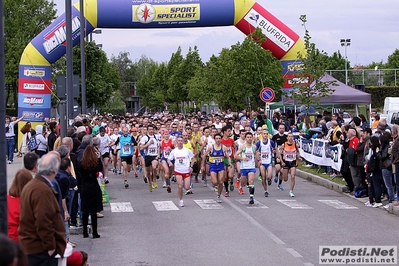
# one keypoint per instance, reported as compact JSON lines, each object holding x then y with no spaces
{"x":41,"y":138}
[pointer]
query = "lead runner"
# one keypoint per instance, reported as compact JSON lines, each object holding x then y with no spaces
{"x":184,"y":159}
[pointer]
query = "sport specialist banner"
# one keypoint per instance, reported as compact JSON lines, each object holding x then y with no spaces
{"x":319,"y":152}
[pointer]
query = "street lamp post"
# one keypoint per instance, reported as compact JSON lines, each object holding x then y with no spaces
{"x":95,"y":32}
{"x":345,"y":43}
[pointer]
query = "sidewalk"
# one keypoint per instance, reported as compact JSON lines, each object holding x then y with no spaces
{"x":337,"y":187}
{"x":12,"y":169}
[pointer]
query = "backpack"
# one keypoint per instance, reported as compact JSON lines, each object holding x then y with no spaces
{"x":351,"y":156}
{"x":374,"y":164}
{"x":32,"y":143}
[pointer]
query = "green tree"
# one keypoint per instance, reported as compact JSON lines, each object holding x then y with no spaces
{"x":337,"y":62}
{"x":391,"y":77}
{"x":178,"y":88}
{"x":173,"y":67}
{"x":307,"y":86}
{"x":23,"y":20}
{"x":243,"y":70}
{"x":145,"y":87}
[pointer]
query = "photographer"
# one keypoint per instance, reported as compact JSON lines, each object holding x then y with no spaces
{"x":10,"y":137}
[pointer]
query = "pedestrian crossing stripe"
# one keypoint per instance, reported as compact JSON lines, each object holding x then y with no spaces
{"x":256,"y":205}
{"x":338,"y":204}
{"x":211,"y":204}
{"x":121,"y":207}
{"x":208,"y":204}
{"x":165,"y":206}
{"x":293,"y":204}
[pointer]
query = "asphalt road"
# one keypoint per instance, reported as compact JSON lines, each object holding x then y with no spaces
{"x":277,"y":230}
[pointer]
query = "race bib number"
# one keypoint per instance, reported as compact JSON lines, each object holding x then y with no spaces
{"x":265,"y":155}
{"x":126,"y":149}
{"x":166,"y":154}
{"x":229,"y":152}
{"x":249,"y":156}
{"x":290,"y":156}
{"x":217,"y":160}
{"x":152,"y":150}
{"x":181,"y":161}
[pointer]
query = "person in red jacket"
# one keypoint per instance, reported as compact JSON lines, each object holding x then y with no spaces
{"x":353,"y":142}
{"x":22,"y":177}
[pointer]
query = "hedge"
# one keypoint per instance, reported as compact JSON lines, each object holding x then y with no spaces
{"x":379,"y":93}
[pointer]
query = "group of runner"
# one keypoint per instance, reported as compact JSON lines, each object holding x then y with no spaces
{"x":179,"y":151}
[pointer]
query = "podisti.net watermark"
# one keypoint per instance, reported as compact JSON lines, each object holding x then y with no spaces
{"x":352,"y":255}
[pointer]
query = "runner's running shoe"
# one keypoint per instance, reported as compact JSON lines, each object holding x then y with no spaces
{"x":226,"y":194}
{"x":237,"y":183}
{"x":218,"y":199}
{"x":169,"y":189}
{"x":231,"y":186}
{"x":251,"y":200}
{"x":126,"y":184}
{"x":150,"y":187}
{"x":266,"y":194}
{"x":145,"y":179}
{"x":291,"y":194}
{"x":106,"y":181}
{"x":269,"y":182}
{"x":164,"y":184}
{"x":181,"y":203}
{"x":155,"y":184}
{"x":276,"y":179}
{"x":260,"y":178}
{"x":280,"y":187}
{"x":241,"y":191}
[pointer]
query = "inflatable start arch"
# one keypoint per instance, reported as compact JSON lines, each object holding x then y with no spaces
{"x":34,"y":86}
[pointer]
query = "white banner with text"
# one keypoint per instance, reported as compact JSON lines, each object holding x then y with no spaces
{"x":319,"y":152}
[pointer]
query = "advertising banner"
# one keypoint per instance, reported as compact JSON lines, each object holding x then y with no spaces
{"x":34,"y":100}
{"x":319,"y":152}
{"x":34,"y":114}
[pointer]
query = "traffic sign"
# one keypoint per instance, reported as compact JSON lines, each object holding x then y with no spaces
{"x":267,"y":95}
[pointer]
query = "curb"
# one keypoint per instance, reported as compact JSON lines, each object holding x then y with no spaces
{"x":337,"y":187}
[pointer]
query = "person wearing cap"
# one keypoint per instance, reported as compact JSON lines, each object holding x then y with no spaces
{"x":75,"y":259}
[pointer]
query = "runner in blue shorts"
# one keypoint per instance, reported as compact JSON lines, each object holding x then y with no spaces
{"x":217,"y":153}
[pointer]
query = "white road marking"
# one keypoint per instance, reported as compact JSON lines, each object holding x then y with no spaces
{"x":338,"y":204}
{"x":165,"y":206}
{"x":293,"y":204}
{"x":255,"y":223}
{"x":257,"y":204}
{"x":208,"y":204}
{"x":294,"y":253}
{"x":121,"y":207}
{"x":308,"y":264}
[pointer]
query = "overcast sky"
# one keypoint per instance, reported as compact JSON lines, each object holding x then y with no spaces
{"x":372,"y":26}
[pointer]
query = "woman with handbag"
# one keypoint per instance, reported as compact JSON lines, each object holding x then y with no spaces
{"x":373,"y":170}
{"x":387,"y":168}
